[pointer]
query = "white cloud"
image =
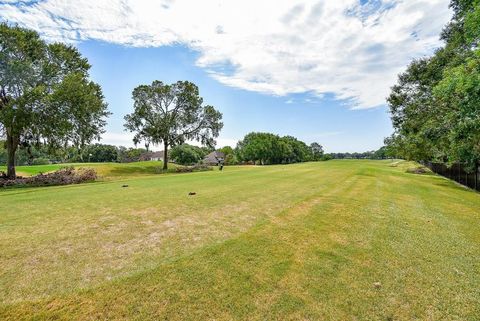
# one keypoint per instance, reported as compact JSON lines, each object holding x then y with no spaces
{"x":277,"y":47}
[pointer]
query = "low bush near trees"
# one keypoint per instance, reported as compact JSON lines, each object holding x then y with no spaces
{"x":63,"y":176}
{"x":194,"y":168}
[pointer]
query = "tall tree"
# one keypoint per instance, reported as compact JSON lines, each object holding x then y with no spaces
{"x":45,"y":94}
{"x":172,"y":114}
{"x":434,"y":106}
{"x":317,"y":151}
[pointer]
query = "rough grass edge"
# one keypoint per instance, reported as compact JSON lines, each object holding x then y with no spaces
{"x":64,"y":176}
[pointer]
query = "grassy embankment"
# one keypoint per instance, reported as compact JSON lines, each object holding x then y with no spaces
{"x":104,"y":170}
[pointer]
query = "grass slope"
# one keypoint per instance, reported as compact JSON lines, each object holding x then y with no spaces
{"x":337,"y":240}
{"x":104,"y":170}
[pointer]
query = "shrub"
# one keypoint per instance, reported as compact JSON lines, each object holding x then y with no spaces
{"x":194,"y":168}
{"x":64,"y":176}
{"x":418,"y":170}
{"x":40,"y":161}
{"x":326,"y":157}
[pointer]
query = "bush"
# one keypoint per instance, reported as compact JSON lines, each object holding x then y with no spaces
{"x":186,"y":154}
{"x":40,"y":161}
{"x":64,"y":176}
{"x":194,"y":168}
{"x":418,"y":170}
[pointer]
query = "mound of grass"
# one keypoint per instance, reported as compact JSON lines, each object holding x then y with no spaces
{"x":104,"y":170}
{"x":337,"y":240}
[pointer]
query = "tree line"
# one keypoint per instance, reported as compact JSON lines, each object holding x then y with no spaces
{"x":267,"y":148}
{"x":435,"y":106}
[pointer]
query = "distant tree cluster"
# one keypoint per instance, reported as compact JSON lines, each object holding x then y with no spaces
{"x":94,"y":153}
{"x":186,"y":154}
{"x":435,"y":106}
{"x":381,"y":153}
{"x":267,"y":148}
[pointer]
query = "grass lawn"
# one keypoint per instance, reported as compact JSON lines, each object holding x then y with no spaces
{"x":104,"y":170}
{"x":336,"y":240}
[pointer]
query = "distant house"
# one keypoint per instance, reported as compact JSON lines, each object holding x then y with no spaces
{"x":152,"y":156}
{"x":214,"y":158}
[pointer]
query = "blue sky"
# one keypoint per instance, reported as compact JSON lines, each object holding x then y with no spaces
{"x":316,"y":70}
{"x":328,"y":121}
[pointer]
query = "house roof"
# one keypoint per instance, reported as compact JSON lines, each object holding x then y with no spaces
{"x":214,"y":156}
{"x":150,"y":155}
{"x":157,"y":154}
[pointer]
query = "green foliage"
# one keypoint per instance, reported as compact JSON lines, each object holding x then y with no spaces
{"x":459,"y":94}
{"x":45,"y":94}
{"x":99,"y":153}
{"x":434,"y":106}
{"x":317,"y":151}
{"x":172,"y":114}
{"x":40,"y":161}
{"x":267,"y":148}
{"x":129,"y":155}
{"x":230,"y":156}
{"x":186,"y":154}
{"x":378,"y":154}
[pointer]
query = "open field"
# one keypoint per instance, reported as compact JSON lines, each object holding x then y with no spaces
{"x":336,"y":240}
{"x":104,"y":170}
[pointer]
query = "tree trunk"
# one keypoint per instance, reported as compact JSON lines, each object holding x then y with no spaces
{"x":165,"y":155}
{"x":12,"y":144}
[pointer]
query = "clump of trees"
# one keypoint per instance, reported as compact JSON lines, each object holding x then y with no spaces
{"x":186,"y":154}
{"x":171,"y":115}
{"x":267,"y":148}
{"x":45,"y":94}
{"x":435,"y":106}
{"x":381,"y":153}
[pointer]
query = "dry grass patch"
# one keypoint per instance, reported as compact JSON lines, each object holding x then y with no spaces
{"x":339,"y":240}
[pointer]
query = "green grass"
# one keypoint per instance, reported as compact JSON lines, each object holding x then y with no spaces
{"x":336,"y":240}
{"x":104,"y":170}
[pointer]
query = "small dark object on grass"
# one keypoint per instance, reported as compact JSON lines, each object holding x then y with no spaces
{"x":192,"y":193}
{"x":125,"y":185}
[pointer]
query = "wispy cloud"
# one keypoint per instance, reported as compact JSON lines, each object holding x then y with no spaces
{"x":344,"y":47}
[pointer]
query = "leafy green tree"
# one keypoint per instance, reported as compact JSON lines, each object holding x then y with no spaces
{"x":186,"y":154}
{"x":45,"y":94}
{"x":267,"y":148}
{"x":99,"y":153}
{"x":257,"y":147}
{"x":459,"y":95}
{"x":434,"y":105}
{"x":172,"y":114}
{"x":300,"y":152}
{"x":316,"y":151}
{"x":230,"y":157}
{"x":128,"y":155}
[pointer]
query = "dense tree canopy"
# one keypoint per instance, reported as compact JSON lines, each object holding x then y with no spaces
{"x":45,"y":94}
{"x":186,"y":154}
{"x":435,"y":105}
{"x":230,"y":156}
{"x":172,"y":114}
{"x":317,"y":151}
{"x":267,"y":148}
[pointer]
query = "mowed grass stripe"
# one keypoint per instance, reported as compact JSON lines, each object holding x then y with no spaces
{"x":348,"y":240}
